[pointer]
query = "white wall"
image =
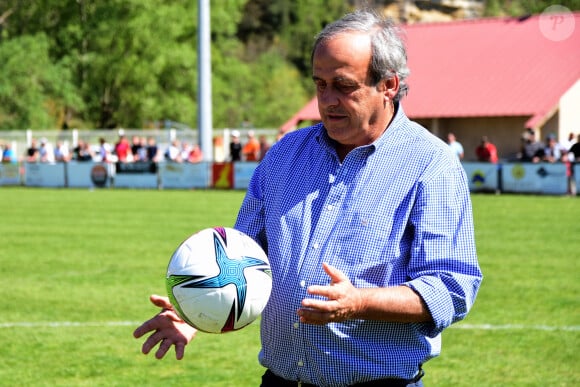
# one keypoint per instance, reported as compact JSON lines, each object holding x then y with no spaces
{"x":570,"y":112}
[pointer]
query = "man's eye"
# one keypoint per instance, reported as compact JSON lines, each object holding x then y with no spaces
{"x":347,"y":88}
{"x":320,"y":86}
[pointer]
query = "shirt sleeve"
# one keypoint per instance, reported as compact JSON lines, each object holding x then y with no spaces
{"x":251,"y":216}
{"x":443,"y":268}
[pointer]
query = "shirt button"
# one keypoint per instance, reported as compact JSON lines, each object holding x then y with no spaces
{"x":300,"y":363}
{"x":315,"y":245}
{"x":296,"y":325}
{"x":329,"y":207}
{"x":302,"y":283}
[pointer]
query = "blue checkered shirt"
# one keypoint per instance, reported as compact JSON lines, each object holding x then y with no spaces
{"x":394,"y":212}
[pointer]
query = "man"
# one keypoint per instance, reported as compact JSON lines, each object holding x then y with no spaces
{"x":575,"y":150}
{"x":251,"y":149}
{"x":486,"y":151}
{"x":366,"y":219}
{"x":532,"y":150}
{"x":235,"y":147}
{"x":455,"y":145}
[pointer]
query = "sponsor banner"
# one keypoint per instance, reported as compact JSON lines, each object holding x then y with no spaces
{"x":88,"y":174}
{"x":222,"y":175}
{"x":136,"y":175}
{"x":9,"y":174}
{"x":44,"y":174}
{"x":543,"y":178}
{"x":483,"y":177}
{"x":136,"y":167}
{"x":185,"y":175}
{"x":243,"y":172}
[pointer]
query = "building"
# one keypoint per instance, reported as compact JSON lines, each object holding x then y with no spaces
{"x":494,"y":77}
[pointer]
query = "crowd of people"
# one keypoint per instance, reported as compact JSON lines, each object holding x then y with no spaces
{"x":531,"y":149}
{"x":144,"y":149}
{"x":252,"y":150}
{"x":535,"y":151}
{"x":43,"y":151}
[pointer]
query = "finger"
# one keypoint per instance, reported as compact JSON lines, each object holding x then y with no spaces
{"x":309,"y":316}
{"x":160,"y":301}
{"x":163,"y":348}
{"x":334,"y":274}
{"x":151,"y":342}
{"x":179,"y":350}
{"x":146,"y":327}
{"x":319,"y":305}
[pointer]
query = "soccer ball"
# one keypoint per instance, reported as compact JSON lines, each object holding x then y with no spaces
{"x":219,"y":280}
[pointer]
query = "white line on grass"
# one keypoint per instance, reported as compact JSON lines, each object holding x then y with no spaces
{"x":61,"y":324}
{"x":485,"y":327}
{"x":490,"y":327}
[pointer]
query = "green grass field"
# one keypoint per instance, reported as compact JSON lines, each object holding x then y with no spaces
{"x":78,"y":266}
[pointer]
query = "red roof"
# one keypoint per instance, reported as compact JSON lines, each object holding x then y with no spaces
{"x":487,"y":67}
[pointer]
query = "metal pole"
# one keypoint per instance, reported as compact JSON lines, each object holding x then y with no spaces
{"x":204,"y":118}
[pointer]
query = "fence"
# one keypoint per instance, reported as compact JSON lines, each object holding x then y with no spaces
{"x":540,"y":178}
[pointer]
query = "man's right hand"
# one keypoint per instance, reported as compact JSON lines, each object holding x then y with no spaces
{"x":168,"y":329}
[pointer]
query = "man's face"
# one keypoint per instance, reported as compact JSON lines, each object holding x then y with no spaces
{"x":353,"y":111}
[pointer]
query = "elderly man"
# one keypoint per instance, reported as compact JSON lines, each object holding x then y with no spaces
{"x":366,"y":220}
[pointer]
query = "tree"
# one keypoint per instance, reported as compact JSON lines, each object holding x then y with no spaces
{"x":525,"y":7}
{"x":123,"y":63}
{"x":33,"y":89}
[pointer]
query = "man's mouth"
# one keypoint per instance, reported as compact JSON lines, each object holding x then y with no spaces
{"x":335,"y":116}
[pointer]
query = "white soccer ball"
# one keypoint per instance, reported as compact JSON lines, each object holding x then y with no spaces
{"x":219,"y":280}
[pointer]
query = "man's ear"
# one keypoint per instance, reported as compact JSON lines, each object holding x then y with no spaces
{"x":390,"y":87}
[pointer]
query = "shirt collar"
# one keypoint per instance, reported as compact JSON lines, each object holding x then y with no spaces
{"x":328,"y":144}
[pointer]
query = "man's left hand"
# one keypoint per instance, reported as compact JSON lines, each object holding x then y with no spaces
{"x":343,"y":300}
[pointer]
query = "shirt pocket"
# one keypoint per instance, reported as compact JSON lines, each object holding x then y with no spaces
{"x":361,"y":238}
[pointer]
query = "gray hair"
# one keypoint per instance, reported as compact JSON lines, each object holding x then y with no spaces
{"x":388,"y":52}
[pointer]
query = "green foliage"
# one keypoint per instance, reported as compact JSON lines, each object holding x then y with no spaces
{"x":32,"y":86}
{"x":143,"y":63}
{"x":526,"y":7}
{"x":290,"y":26}
{"x":123,"y":63}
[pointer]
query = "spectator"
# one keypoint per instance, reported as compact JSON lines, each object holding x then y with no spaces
{"x":104,"y":153}
{"x":251,"y":149}
{"x":123,"y":149}
{"x":567,"y":144}
{"x":173,"y":152}
{"x":8,"y":154}
{"x":455,"y":145}
{"x":371,"y":248}
{"x":235,"y":147}
{"x":486,"y":151}
{"x":218,"y":149}
{"x":575,"y":150}
{"x":553,"y":151}
{"x":137,"y":148}
{"x":195,"y":155}
{"x":32,"y":152}
{"x":185,"y":150}
{"x":46,"y":151}
{"x":83,"y":151}
{"x":532,"y":150}
{"x":61,"y":152}
{"x":152,"y":150}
